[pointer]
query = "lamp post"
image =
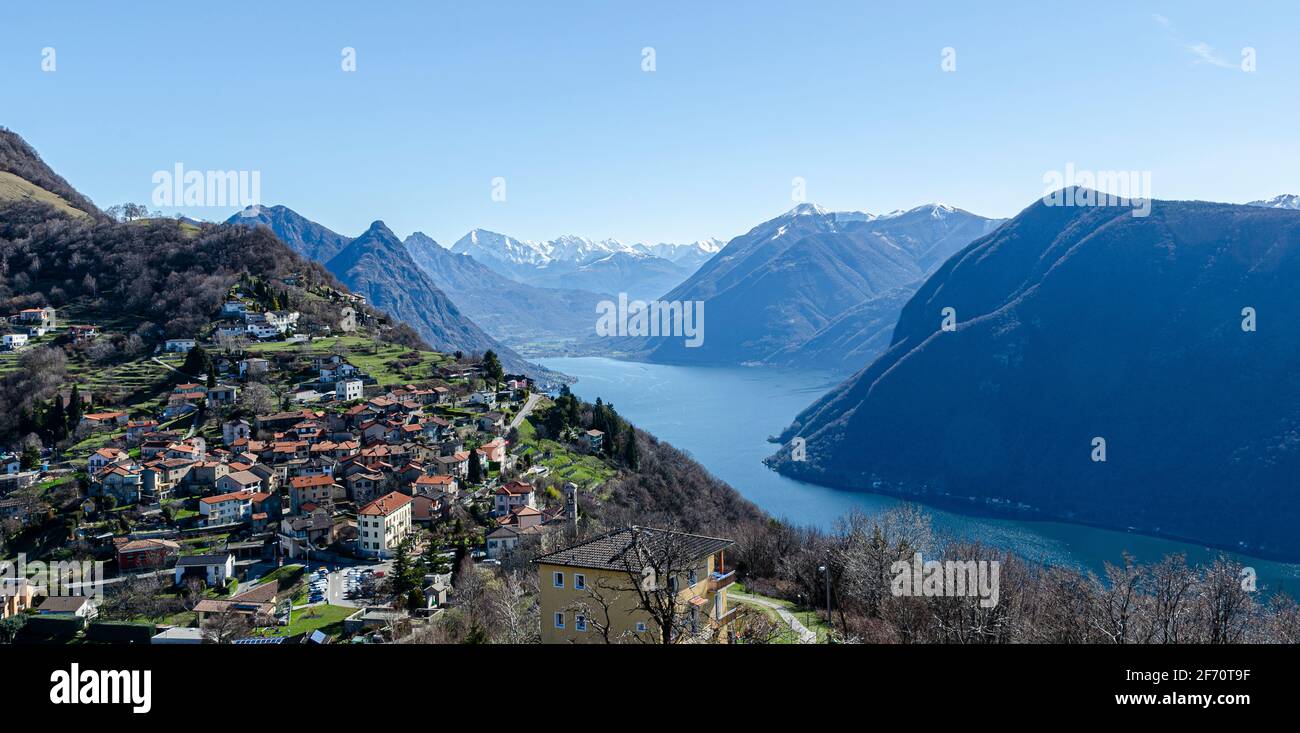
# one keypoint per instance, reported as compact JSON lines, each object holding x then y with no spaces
{"x":825,"y":570}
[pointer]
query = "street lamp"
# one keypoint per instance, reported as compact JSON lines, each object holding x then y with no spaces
{"x":825,"y":570}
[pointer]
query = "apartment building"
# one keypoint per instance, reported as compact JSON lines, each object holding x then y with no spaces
{"x":589,"y":591}
{"x":383,"y":524}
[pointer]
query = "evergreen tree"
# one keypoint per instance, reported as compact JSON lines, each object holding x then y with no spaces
{"x":31,"y":458}
{"x":631,"y":456}
{"x":475,"y":468}
{"x":56,"y":421}
{"x":74,"y":409}
{"x":197,"y":362}
{"x":406,"y":574}
{"x":492,"y":368}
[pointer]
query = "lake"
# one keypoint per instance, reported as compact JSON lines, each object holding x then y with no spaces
{"x":722,"y":417}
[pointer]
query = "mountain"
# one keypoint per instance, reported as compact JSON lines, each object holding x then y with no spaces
{"x":378,"y":266}
{"x":303,"y":235}
{"x":139,"y":282}
{"x":778,"y":286}
{"x":689,"y":255}
{"x":31,"y":178}
{"x":513,"y":312}
{"x":603,"y":266}
{"x":1079,"y":323}
{"x":640,"y":275}
{"x":1284,"y":201}
{"x":506,"y":255}
{"x":854,"y":338}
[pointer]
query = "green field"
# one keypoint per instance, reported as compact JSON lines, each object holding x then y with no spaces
{"x":389,"y":364}
{"x":565,"y":464}
{"x":324,"y":617}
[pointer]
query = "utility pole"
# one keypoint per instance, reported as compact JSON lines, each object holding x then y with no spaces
{"x":825,"y":570}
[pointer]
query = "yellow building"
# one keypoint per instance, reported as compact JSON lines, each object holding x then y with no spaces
{"x":626,"y":585}
{"x":16,"y":596}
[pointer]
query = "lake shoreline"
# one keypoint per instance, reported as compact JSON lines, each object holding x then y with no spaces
{"x":725,"y":417}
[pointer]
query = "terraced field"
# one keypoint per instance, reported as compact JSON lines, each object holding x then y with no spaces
{"x":388,"y":364}
{"x":564,"y":462}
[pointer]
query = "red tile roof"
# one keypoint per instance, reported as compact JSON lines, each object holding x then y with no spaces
{"x":385,"y":505}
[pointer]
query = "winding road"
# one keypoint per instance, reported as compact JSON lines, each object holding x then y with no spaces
{"x":806,"y":636}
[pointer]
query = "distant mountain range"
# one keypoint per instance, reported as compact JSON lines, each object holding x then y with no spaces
{"x":518,"y":314}
{"x":813,"y":286}
{"x":1075,"y":324}
{"x":602,"y":266}
{"x":1285,"y":201}
{"x":378,"y":266}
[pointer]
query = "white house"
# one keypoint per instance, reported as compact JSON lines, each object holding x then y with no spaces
{"x":348,"y":390}
{"x":513,"y":494}
{"x":215,"y":570}
{"x":252,"y":366}
{"x":15,"y":341}
{"x":179,"y":346}
{"x":383,"y":524}
{"x":334,"y":373}
{"x":228,"y":508}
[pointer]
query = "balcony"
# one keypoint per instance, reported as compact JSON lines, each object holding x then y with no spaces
{"x":727,"y":617}
{"x":718,"y":581}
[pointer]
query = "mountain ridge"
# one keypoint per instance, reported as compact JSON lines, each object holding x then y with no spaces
{"x":1078,"y":323}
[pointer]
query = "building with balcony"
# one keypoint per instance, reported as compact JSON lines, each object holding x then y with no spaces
{"x":590,"y":591}
{"x":383,"y":524}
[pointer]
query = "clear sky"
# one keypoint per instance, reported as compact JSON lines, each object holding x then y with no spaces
{"x":745,"y":96}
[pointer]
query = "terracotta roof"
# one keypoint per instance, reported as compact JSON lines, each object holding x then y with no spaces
{"x":304,"y":482}
{"x":385,"y":505}
{"x":147,"y":544}
{"x":232,"y":496}
{"x":515,"y":488}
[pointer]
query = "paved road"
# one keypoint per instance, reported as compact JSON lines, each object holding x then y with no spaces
{"x":161,"y":363}
{"x":523,"y":413}
{"x":806,"y":636}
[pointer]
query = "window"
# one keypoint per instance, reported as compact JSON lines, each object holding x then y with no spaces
{"x":640,"y":627}
{"x":695,"y":578}
{"x":558,"y":579}
{"x":559,"y":620}
{"x":580,"y":622}
{"x":579,"y":581}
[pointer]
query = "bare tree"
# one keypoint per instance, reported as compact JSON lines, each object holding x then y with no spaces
{"x":223,"y":628}
{"x":514,"y":609}
{"x":658,"y":564}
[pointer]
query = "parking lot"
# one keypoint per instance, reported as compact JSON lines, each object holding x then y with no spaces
{"x":341,"y":585}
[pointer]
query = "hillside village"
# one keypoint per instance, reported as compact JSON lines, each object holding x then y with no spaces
{"x":281,"y":483}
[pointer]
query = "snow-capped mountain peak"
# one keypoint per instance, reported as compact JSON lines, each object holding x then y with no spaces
{"x":1284,"y":201}
{"x":806,"y":209}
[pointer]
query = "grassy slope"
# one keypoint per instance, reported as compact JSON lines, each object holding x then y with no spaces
{"x":13,"y":188}
{"x":586,"y":471}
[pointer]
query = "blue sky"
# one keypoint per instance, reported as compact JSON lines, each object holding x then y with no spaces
{"x":849,"y":96}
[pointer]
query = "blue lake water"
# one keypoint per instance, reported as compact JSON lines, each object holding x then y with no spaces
{"x":722,"y":417}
